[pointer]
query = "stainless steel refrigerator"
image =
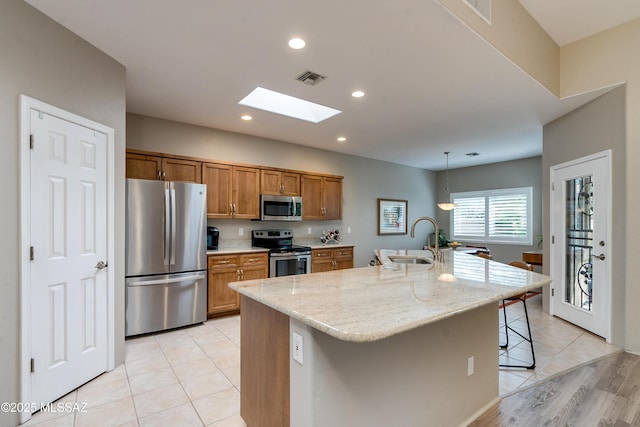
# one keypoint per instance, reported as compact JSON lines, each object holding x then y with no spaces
{"x":166,"y":259}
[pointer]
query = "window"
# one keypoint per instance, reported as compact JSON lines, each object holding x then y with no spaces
{"x":493,"y":216}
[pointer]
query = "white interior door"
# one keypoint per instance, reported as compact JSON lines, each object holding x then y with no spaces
{"x":580,"y":228}
{"x":68,"y":285}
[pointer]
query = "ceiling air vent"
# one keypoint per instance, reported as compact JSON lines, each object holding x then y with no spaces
{"x":481,"y":7}
{"x":310,"y":78}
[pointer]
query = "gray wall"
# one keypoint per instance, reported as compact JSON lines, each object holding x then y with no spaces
{"x":595,"y":127}
{"x":365,"y":180}
{"x":45,"y":61}
{"x":512,"y":174}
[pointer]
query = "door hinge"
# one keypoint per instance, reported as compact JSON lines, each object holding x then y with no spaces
{"x":31,"y":253}
{"x":553,"y":186}
{"x":32,"y":365}
{"x":553,"y":239}
{"x":31,"y":142}
{"x":553,"y":292}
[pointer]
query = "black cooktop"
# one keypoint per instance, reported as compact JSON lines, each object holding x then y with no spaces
{"x":277,"y":241}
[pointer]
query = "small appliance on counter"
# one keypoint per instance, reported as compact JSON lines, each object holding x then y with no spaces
{"x":212,"y":238}
{"x":285,"y":258}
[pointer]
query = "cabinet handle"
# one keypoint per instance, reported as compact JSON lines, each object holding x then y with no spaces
{"x":321,"y":254}
{"x":253,"y":259}
{"x":159,"y":174}
{"x":230,"y":208}
{"x":164,"y":175}
{"x":334,"y":263}
{"x":224,"y":261}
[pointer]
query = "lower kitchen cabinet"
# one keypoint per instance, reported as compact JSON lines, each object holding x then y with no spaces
{"x":223,"y":269}
{"x":326,"y":259}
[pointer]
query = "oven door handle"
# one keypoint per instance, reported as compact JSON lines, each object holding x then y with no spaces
{"x":290,"y":255}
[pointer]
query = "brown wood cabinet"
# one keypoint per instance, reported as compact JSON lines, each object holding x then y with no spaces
{"x":223,"y":269}
{"x":232,"y":191}
{"x":328,"y":259}
{"x":146,"y":166}
{"x":280,"y":183}
{"x":321,"y":197}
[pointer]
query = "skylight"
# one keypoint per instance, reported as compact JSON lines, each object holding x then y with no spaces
{"x":279,"y":103}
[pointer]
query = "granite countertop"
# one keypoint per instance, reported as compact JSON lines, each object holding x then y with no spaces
{"x":238,"y":250}
{"x":372,"y":303}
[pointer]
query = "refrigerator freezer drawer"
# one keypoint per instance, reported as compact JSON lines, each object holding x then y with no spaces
{"x":156,"y":303}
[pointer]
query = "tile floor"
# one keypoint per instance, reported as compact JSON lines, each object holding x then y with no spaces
{"x":191,"y":376}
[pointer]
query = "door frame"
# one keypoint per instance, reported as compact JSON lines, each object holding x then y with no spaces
{"x":26,"y":105}
{"x":606,"y":154}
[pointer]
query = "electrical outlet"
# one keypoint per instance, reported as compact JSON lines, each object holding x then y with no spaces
{"x":309,"y":230}
{"x":240,"y":231}
{"x":348,"y":230}
{"x":297,"y":348}
{"x":470,"y":366}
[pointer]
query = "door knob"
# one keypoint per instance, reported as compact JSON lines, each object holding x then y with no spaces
{"x":600,"y":257}
{"x":101,"y":264}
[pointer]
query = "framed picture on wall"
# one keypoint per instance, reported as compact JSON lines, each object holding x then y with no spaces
{"x":392,"y":217}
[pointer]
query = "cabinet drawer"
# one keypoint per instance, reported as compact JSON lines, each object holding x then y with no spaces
{"x":253,"y":259}
{"x":222,"y":261}
{"x":322,"y":253}
{"x":340,"y":253}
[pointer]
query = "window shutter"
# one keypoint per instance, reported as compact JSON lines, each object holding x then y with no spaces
{"x":469,"y":217}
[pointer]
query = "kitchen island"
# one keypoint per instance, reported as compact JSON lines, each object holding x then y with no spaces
{"x":394,"y":344}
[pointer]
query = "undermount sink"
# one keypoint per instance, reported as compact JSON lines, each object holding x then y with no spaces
{"x":408,"y":259}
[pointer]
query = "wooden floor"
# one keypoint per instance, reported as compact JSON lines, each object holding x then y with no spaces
{"x":602,"y":393}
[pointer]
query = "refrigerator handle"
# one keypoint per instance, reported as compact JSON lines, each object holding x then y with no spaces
{"x":167,"y":228}
{"x":197,"y":276}
{"x":173,"y":224}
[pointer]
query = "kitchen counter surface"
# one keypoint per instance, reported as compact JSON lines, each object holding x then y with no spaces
{"x":230,"y":251}
{"x":372,"y":303}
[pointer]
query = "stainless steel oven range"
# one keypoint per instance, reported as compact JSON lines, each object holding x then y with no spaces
{"x":285,"y":258}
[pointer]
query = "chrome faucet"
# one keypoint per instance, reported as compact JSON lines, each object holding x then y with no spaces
{"x":436,"y":253}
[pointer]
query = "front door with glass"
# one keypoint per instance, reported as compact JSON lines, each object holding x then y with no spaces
{"x":580,"y":206}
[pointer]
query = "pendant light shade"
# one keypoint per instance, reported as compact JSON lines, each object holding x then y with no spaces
{"x":447,"y":206}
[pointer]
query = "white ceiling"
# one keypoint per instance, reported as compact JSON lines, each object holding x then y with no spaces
{"x":431,"y":84}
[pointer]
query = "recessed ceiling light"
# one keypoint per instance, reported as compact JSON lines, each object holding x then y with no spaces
{"x":341,"y":139}
{"x":357,"y":94}
{"x":279,"y":103}
{"x":246,"y":117}
{"x":296,"y":43}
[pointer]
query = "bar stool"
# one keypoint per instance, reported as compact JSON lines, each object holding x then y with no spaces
{"x":523,"y":299}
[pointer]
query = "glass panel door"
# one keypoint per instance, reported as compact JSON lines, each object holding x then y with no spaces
{"x":580,"y":212}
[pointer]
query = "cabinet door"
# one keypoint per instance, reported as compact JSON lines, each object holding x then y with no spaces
{"x":221,"y":298}
{"x":251,"y":272}
{"x":218,"y":180}
{"x":270,"y":182}
{"x":181,"y":170}
{"x":343,"y":258}
{"x":140,"y":166}
{"x":332,"y":198}
{"x":246,"y":192}
{"x":290,"y":184}
{"x":311,"y":190}
{"x":321,"y":260}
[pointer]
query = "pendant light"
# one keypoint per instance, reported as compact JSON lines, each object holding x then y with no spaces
{"x":447,"y":206}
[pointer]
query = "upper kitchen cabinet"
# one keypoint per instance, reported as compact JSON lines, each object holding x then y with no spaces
{"x":232,"y":191}
{"x":148,"y":166}
{"x":141,"y":166}
{"x":321,"y":197}
{"x":282,"y":183}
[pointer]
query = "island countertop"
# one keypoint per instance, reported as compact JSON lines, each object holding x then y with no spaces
{"x":372,"y":303}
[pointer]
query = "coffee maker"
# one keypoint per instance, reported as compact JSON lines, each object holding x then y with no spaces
{"x":212,"y":238}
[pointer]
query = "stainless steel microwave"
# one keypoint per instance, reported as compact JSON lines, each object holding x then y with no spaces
{"x":280,"y":208}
